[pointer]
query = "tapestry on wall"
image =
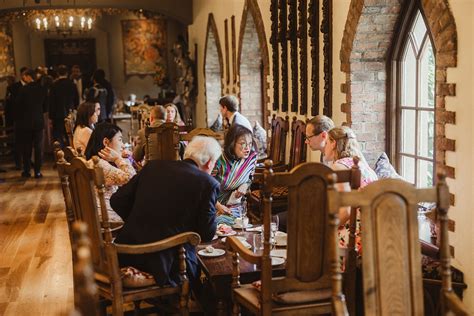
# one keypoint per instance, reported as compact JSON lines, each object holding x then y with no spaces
{"x":144,"y":47}
{"x":7,"y":62}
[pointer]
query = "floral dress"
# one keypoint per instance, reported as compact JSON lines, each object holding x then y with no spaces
{"x":114,"y":176}
{"x":367,"y":176}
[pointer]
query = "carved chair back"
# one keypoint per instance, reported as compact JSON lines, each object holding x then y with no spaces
{"x":277,"y":149}
{"x":391,"y":260}
{"x":86,"y":302}
{"x":202,"y":132}
{"x":165,"y":143}
{"x":83,"y":185}
{"x":298,"y":146}
{"x":308,"y":247}
{"x":69,"y":122}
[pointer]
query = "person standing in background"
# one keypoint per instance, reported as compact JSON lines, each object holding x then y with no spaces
{"x":10,"y":106}
{"x":29,"y":122}
{"x":79,"y":82}
{"x":98,"y":93}
{"x":63,"y":97}
{"x":110,"y":99}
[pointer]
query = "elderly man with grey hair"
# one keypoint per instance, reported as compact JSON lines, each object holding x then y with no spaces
{"x":229,"y":107}
{"x":167,"y":198}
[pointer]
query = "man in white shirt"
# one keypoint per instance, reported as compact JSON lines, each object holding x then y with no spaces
{"x":229,"y":106}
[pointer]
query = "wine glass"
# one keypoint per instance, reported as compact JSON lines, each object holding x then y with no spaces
{"x":273,"y":229}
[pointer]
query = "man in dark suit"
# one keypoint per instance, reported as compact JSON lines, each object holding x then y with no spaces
{"x":62,"y":98}
{"x":10,"y":99}
{"x":80,"y":83}
{"x":29,"y":122}
{"x":167,"y":198}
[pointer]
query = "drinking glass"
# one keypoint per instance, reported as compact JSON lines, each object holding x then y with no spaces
{"x":257,"y":243}
{"x":274,"y":229}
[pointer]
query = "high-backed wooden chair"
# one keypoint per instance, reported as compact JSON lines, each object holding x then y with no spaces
{"x":306,"y":288}
{"x":277,"y":147}
{"x":280,"y":194}
{"x":82,"y":184}
{"x":202,"y":132}
{"x":391,"y":259}
{"x":86,"y":300}
{"x":165,"y":145}
{"x":69,"y":123}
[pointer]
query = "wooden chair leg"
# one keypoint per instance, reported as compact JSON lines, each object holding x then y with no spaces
{"x":103,"y":307}
{"x":136,"y":310}
{"x":117,"y":306}
{"x":235,"y":309}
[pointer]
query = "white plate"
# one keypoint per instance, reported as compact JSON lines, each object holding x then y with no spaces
{"x":254,"y":229}
{"x":242,"y":239}
{"x":281,"y":253}
{"x":237,"y":226}
{"x":220,"y":234}
{"x":276,"y":261}
{"x":216,"y":253}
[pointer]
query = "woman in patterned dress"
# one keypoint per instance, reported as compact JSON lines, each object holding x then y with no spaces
{"x":107,"y":143}
{"x":340,"y":149}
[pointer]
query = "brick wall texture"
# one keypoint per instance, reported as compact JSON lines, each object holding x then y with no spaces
{"x":213,"y":79}
{"x":368,"y":34}
{"x":250,"y":73}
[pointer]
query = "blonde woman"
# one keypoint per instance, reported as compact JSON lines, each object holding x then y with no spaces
{"x":172,"y":114}
{"x":340,"y":149}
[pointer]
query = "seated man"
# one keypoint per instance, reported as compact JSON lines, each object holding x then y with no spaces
{"x":167,"y":198}
{"x":317,"y":130}
{"x":157,"y":117}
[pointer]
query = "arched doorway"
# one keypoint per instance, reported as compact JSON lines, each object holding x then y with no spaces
{"x":253,"y":65}
{"x":213,"y":65}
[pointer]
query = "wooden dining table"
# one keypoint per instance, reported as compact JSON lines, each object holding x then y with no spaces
{"x":218,"y":271}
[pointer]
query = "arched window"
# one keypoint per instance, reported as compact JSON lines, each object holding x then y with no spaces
{"x":415,"y":104}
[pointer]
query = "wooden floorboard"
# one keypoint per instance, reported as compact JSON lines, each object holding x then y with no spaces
{"x":35,"y":255}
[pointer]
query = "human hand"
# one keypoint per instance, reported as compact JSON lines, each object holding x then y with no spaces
{"x":241,"y":190}
{"x":126,"y":153}
{"x":109,"y":154}
{"x":222,"y":209}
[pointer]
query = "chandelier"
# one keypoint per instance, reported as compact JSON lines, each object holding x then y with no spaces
{"x":65,"y":22}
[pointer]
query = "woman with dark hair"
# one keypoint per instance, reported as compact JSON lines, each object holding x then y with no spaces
{"x":87,"y":116}
{"x":106,"y":142}
{"x":97,"y":93}
{"x":234,"y":168}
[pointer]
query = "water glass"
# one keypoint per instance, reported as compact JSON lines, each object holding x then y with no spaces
{"x":257,"y":243}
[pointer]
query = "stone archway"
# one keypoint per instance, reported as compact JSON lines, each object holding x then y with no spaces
{"x":368,"y":36}
{"x":213,"y":66}
{"x":253,"y":65}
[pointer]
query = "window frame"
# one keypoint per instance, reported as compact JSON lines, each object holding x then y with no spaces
{"x":394,"y":71}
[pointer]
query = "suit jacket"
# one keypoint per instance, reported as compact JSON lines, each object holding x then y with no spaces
{"x":164,"y":199}
{"x":10,"y":99}
{"x":241,"y":120}
{"x":63,"y":97}
{"x":30,"y":106}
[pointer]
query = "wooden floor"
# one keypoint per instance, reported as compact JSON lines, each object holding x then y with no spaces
{"x":35,"y":256}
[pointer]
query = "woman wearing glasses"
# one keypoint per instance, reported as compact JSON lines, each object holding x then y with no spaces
{"x":234,"y":168}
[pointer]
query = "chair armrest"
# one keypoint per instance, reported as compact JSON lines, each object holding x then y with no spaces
{"x":247,"y":255}
{"x":170,"y":242}
{"x":454,"y":304}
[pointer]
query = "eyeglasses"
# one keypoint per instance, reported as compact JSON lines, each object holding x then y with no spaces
{"x":308,"y":138}
{"x":245,"y":144}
